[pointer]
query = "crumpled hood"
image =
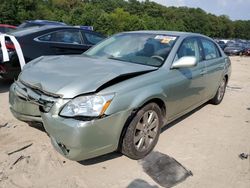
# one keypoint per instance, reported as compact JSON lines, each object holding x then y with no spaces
{"x":70,"y":76}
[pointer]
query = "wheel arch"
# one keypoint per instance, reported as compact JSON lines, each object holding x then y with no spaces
{"x":160,"y":104}
{"x":226,"y":76}
{"x":157,"y":100}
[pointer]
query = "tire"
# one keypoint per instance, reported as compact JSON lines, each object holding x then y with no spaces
{"x":36,"y":125}
{"x":143,"y":132}
{"x":220,"y":92}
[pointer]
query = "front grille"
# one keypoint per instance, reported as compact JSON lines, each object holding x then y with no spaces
{"x":63,"y":148}
{"x":38,"y":90}
{"x":36,"y":96}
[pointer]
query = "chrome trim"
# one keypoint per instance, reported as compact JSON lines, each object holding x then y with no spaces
{"x":26,"y":118}
{"x":54,"y":42}
{"x":39,"y":89}
{"x":34,"y":96}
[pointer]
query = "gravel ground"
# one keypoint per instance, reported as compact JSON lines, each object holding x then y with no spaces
{"x":206,"y":142}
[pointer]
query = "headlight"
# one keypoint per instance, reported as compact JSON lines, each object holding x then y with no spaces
{"x":89,"y":106}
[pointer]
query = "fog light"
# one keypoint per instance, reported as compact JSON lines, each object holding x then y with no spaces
{"x":64,"y":149}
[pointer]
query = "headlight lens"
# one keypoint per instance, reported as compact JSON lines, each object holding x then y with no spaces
{"x":89,"y":106}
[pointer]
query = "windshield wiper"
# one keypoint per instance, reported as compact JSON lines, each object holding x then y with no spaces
{"x":129,"y":61}
{"x":115,"y":58}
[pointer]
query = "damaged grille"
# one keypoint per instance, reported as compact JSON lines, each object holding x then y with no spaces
{"x":37,"y":96}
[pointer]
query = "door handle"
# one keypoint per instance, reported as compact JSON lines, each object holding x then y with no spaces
{"x":222,"y":66}
{"x":61,"y":50}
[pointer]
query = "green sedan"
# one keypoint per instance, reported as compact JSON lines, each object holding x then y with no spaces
{"x":119,"y":94}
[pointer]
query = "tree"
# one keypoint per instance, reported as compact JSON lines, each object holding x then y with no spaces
{"x":112,"y":16}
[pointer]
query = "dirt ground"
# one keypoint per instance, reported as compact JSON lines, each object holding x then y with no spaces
{"x":207,"y":142}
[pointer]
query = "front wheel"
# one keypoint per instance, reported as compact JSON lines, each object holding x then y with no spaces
{"x":220,"y":92}
{"x":143,"y":132}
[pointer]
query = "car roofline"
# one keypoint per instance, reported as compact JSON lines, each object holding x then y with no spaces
{"x":50,"y":28}
{"x":165,"y":32}
{"x":8,"y":26}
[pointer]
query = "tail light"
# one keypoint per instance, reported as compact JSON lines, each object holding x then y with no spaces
{"x":2,"y":69}
{"x":9,"y":45}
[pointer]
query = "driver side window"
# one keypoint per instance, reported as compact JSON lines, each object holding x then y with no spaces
{"x":190,"y":47}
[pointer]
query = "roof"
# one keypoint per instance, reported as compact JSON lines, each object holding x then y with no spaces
{"x":30,"y":30}
{"x":45,"y":22}
{"x":6,"y":25}
{"x":162,"y":32}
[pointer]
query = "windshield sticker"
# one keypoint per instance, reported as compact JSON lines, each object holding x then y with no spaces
{"x":165,"y":39}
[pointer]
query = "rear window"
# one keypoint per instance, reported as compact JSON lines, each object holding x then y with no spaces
{"x":27,"y":24}
{"x":63,"y":36}
{"x":211,"y":51}
{"x":93,"y":38}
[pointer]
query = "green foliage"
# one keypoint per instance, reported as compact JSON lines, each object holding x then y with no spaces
{"x":112,"y":16}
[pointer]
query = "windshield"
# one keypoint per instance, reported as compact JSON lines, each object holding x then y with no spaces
{"x":139,"y":48}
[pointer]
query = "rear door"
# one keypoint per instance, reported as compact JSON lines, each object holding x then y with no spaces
{"x":214,"y":66}
{"x":188,"y":84}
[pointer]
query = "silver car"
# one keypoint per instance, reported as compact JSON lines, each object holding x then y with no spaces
{"x":120,"y":93}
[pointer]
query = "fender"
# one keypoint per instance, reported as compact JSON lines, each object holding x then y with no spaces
{"x":128,"y":101}
{"x":150,"y":94}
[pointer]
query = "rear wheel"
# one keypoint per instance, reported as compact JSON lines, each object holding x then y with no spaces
{"x":143,"y":132}
{"x":220,"y":92}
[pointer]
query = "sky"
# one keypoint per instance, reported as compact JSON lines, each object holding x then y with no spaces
{"x":235,"y":9}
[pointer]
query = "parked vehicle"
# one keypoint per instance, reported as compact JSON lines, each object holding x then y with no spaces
{"x":32,"y":23}
{"x":234,"y":49}
{"x":222,"y":44}
{"x":247,"y":50}
{"x":120,"y":93}
{"x":4,"y":28}
{"x":91,"y":28}
{"x":46,"y":40}
{"x":224,"y":40}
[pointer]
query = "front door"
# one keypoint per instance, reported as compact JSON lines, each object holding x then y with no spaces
{"x":188,"y":84}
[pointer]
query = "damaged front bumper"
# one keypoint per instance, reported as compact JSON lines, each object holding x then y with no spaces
{"x":27,"y":103}
{"x":75,"y":139}
{"x":20,"y":107}
{"x":79,"y":140}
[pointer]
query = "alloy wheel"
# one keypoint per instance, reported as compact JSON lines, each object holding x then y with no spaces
{"x":222,"y":89}
{"x":146,"y":130}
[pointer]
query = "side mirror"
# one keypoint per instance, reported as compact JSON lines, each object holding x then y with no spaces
{"x":185,"y":62}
